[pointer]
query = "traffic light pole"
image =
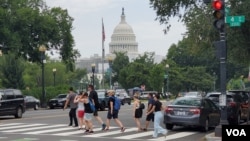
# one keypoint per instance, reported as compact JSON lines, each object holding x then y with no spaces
{"x":222,"y":46}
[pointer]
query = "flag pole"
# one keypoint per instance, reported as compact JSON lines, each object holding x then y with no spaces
{"x":103,"y":53}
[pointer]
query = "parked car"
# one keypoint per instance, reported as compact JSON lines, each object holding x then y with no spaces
{"x":238,"y":105}
{"x":32,"y":102}
{"x":58,"y":101}
{"x":144,"y":94}
{"x":103,"y":99}
{"x":11,"y":103}
{"x":124,"y":98}
{"x":193,"y":94}
{"x":192,"y":111}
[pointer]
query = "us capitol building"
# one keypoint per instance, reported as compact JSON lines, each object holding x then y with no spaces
{"x":123,"y":39}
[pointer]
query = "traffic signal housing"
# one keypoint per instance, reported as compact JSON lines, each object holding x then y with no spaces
{"x":219,"y":14}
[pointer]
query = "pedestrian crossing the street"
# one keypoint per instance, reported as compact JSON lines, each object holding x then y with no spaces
{"x":130,"y":133}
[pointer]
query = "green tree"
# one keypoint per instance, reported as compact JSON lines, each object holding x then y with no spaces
{"x":121,"y":61}
{"x":27,"y":24}
{"x":12,"y":71}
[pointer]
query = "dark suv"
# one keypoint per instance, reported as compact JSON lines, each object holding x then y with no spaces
{"x":103,"y":99}
{"x":237,"y":105}
{"x":58,"y":101}
{"x":12,"y":103}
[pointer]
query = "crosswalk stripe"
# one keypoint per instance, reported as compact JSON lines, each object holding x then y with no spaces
{"x":10,"y":124}
{"x":107,"y":133}
{"x":51,"y":130}
{"x":20,"y":126}
{"x":79,"y":132}
{"x":64,"y":130}
{"x":34,"y":128}
{"x":174,"y":136}
{"x":137,"y":135}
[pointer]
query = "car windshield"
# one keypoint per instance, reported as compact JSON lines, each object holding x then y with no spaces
{"x":187,"y":101}
{"x":192,"y":94}
{"x":61,"y":96}
{"x":215,"y":97}
{"x":101,"y":94}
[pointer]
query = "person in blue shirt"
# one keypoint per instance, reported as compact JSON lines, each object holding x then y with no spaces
{"x":112,"y":113}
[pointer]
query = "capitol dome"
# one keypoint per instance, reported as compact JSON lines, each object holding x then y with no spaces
{"x":123,"y":39}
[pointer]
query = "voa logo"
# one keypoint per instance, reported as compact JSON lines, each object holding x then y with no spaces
{"x":236,"y":132}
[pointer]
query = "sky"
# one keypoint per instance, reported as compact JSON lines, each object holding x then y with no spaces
{"x":87,"y":25}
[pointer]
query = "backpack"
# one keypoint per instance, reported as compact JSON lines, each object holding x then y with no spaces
{"x":117,"y":104}
{"x":142,"y":106}
{"x":92,"y":106}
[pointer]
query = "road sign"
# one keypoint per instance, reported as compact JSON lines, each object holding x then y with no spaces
{"x":235,"y":24}
{"x":235,"y":20}
{"x":222,"y":100}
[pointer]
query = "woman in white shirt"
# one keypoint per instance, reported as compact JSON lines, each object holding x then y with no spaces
{"x":80,"y":110}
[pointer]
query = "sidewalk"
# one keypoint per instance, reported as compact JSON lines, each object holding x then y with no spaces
{"x":211,"y":137}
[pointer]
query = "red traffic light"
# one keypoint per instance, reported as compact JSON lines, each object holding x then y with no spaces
{"x":217,"y":4}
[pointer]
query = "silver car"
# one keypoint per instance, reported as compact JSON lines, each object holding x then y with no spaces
{"x":192,"y":111}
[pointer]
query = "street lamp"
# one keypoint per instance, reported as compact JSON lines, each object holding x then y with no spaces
{"x":42,"y":49}
{"x":214,"y":74}
{"x":81,"y":85}
{"x":54,"y":74}
{"x":110,"y":72}
{"x":93,"y":74}
{"x":167,"y":74}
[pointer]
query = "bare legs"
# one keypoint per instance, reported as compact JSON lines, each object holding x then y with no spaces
{"x":138,"y":123}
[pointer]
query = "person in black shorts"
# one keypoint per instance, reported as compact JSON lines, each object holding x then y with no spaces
{"x":112,"y":113}
{"x":150,"y":117}
{"x":137,"y":111}
{"x":94,"y":96}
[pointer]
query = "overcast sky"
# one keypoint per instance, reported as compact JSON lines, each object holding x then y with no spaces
{"x":87,"y":24}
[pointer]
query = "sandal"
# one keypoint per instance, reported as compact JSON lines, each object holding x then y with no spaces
{"x":106,"y":129}
{"x":122,"y":129}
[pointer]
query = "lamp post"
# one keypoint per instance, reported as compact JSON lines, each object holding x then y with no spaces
{"x":167,"y":74}
{"x":214,"y":74}
{"x":81,"y":85}
{"x":93,"y":74}
{"x":54,"y":74}
{"x":110,"y":72}
{"x":42,"y":49}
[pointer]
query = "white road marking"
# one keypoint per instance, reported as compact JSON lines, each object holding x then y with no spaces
{"x":20,"y":126}
{"x":107,"y":133}
{"x":34,"y":128}
{"x":51,"y":130}
{"x":136,"y":135}
{"x":10,"y":124}
{"x":173,"y":136}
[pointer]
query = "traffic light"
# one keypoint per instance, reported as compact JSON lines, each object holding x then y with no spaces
{"x":219,"y":14}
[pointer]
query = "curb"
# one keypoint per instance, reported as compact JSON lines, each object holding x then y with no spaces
{"x":211,"y":137}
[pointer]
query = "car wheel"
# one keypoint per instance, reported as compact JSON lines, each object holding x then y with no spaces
{"x":169,"y":126}
{"x":36,"y":107}
{"x":129,"y":103}
{"x":205,"y":127}
{"x":19,"y":113}
{"x":51,"y":107}
{"x":122,"y":103}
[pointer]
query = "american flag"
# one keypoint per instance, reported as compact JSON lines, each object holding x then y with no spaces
{"x":103,"y":32}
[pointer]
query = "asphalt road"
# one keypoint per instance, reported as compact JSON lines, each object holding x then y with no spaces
{"x":52,"y":125}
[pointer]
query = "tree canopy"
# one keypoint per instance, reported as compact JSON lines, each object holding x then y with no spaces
{"x":28,"y":24}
